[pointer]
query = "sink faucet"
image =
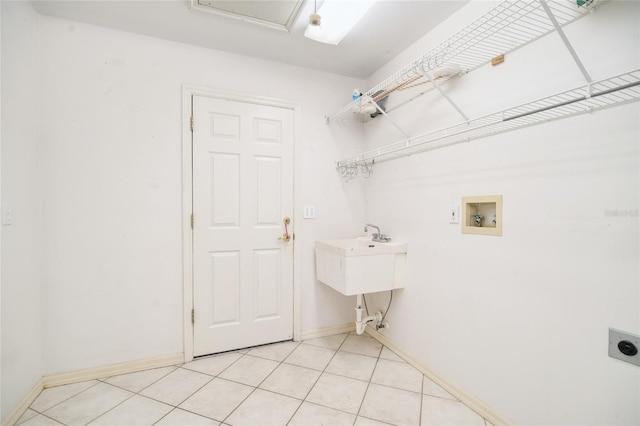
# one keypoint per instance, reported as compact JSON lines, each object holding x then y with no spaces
{"x":378,"y":237}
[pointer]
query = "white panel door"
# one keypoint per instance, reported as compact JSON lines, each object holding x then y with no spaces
{"x":242,"y":191}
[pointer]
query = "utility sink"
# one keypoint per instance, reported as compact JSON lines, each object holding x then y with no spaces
{"x":360,"y":265}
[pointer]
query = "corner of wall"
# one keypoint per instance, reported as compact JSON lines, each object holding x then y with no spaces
{"x":21,"y":240}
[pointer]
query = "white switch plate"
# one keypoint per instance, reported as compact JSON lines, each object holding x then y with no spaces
{"x":454,"y":214}
{"x":309,"y":211}
{"x":6,"y":216}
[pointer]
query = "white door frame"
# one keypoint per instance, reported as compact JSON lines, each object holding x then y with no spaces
{"x":187,"y":195}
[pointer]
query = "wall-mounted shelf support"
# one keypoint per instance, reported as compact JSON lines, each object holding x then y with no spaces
{"x":447,"y":97}
{"x":384,"y":113}
{"x":615,"y":90}
{"x":566,"y":41}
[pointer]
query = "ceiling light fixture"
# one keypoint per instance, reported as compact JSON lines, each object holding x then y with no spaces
{"x":338,"y":16}
{"x":315,"y":19}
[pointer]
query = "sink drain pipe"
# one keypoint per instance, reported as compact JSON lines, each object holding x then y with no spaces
{"x":361,"y":323}
{"x":378,"y":317}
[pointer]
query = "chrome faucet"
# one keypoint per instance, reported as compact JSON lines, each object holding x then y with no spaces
{"x":378,"y":237}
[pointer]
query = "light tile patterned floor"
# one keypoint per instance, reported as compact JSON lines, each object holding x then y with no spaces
{"x":338,"y":380}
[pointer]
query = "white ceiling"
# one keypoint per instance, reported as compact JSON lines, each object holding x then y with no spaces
{"x":385,"y":31}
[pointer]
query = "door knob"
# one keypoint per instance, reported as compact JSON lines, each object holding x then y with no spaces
{"x":286,"y":237}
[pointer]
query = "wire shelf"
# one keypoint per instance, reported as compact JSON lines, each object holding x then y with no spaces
{"x":507,"y":27}
{"x":615,"y":90}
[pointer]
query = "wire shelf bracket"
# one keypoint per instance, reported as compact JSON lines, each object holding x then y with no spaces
{"x":566,"y":41}
{"x":447,"y":97}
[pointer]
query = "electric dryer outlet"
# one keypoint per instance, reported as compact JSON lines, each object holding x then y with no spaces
{"x":624,"y":346}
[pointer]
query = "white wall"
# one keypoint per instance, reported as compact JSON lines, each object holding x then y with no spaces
{"x":22,"y":364}
{"x":1,"y":409}
{"x":521,"y":321}
{"x":111,"y":135}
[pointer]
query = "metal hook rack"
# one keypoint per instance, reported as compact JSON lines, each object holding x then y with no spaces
{"x":350,"y":171}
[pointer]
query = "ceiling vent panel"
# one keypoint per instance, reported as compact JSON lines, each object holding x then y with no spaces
{"x":276,"y":14}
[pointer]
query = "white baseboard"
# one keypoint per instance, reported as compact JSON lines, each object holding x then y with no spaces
{"x":328,"y":331}
{"x":467,"y":399}
{"x":26,"y":402}
{"x":112,"y":370}
{"x":89,"y":374}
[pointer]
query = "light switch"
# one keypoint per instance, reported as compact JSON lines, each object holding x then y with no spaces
{"x":454,"y":214}
{"x":6,"y":216}
{"x":309,"y":211}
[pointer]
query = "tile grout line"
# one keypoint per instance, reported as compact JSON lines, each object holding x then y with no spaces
{"x":63,"y":401}
{"x":37,"y":414}
{"x":112,"y":408}
{"x":190,"y":395}
{"x":217,"y":376}
{"x":138,"y":393}
{"x":213,"y":377}
{"x":380,"y":358}
{"x":168,"y":412}
{"x":340,"y":375}
{"x":135,"y":393}
{"x":173,"y":407}
{"x":255,"y":387}
{"x":103,"y":380}
{"x":191,"y":412}
{"x":318,"y":379}
{"x":304,"y":399}
{"x":51,"y":418}
{"x":368,"y":384}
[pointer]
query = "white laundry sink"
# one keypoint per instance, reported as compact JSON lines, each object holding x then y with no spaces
{"x":360,"y":265}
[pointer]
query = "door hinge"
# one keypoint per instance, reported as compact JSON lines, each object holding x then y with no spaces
{"x":191,"y":123}
{"x":192,"y":220}
{"x":193,"y":316}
